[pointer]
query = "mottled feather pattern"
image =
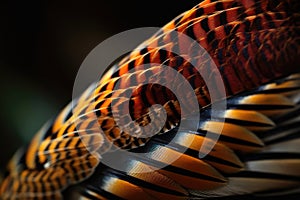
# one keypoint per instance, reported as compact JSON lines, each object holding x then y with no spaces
{"x":255,"y":46}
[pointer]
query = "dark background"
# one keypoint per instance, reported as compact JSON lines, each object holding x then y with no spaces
{"x":43,"y":43}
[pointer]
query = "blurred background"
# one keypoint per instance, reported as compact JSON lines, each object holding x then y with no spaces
{"x":43,"y":43}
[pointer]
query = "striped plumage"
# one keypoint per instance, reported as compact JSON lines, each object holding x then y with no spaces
{"x":254,"y":44}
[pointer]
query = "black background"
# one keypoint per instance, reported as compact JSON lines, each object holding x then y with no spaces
{"x":42,"y":45}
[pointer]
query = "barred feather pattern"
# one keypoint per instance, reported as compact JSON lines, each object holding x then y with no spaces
{"x":254,"y":44}
{"x":257,"y":154}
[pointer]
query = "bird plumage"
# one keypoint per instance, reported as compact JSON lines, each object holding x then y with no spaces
{"x":255,"y":47}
